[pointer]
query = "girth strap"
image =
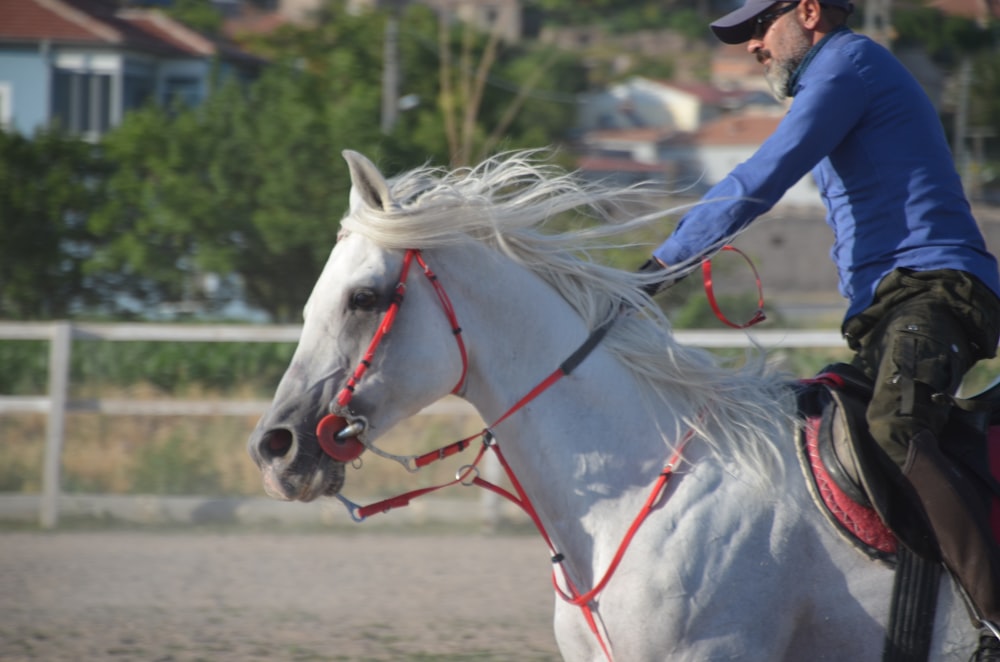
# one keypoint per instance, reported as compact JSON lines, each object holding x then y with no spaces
{"x":914,"y":601}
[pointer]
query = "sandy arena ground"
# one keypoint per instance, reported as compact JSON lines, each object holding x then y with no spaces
{"x":179,"y":595}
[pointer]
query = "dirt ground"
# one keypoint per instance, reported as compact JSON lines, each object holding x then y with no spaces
{"x":196,"y":595}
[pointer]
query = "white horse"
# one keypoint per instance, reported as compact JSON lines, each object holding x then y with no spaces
{"x":733,"y":562}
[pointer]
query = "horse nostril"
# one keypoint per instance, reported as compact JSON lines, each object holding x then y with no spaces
{"x":276,"y":443}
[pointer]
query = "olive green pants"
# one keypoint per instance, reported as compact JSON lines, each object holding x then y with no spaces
{"x":922,"y":333}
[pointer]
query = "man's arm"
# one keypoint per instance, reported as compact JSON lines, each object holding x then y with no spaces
{"x":824,"y":111}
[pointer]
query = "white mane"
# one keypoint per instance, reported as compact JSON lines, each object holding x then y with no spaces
{"x":504,"y":202}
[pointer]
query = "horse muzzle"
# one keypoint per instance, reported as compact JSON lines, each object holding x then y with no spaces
{"x":293,"y":467}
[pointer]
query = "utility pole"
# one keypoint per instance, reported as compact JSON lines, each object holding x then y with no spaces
{"x":959,"y":148}
{"x":390,"y":65}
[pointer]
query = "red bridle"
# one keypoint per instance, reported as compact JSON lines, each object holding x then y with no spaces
{"x":328,"y":429}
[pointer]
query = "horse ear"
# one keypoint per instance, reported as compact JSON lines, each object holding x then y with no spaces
{"x":367,"y":183}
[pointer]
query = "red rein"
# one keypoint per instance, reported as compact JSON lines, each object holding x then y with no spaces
{"x":706,"y":273}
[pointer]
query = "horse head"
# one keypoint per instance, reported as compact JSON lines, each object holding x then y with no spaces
{"x":329,"y":404}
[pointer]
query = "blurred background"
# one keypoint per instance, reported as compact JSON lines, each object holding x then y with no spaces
{"x":170,"y":188}
{"x":178,"y":163}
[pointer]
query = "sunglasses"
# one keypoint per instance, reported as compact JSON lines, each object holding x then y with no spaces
{"x":763,"y":23}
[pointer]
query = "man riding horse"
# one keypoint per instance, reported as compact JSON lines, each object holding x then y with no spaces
{"x":921,"y":285}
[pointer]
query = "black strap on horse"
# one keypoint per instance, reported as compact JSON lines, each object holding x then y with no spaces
{"x":584,"y":350}
{"x":914,"y":601}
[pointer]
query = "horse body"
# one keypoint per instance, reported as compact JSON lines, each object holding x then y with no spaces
{"x":734,"y":562}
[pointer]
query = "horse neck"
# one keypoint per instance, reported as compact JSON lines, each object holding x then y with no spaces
{"x":518,"y":330}
{"x":587,"y":448}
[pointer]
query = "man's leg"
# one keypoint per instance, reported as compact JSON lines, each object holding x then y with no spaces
{"x":919,"y":349}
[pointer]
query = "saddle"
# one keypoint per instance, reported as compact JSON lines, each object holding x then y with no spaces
{"x":861,"y":490}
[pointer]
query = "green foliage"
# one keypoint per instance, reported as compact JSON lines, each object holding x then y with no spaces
{"x":985,"y":91}
{"x":621,"y":16}
{"x":549,"y":108}
{"x":198,"y":14}
{"x":688,"y":23}
{"x":617,"y":15}
{"x":528,"y":94}
{"x":942,"y":36}
{"x":951,"y":40}
{"x":170,"y":367}
{"x":250,"y":183}
{"x":15,"y":476}
{"x":25,"y":366}
{"x":48,"y":186}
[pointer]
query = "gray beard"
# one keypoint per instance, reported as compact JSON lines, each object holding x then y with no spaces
{"x":778,"y":76}
{"x":781,"y":71}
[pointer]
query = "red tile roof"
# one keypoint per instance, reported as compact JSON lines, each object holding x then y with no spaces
{"x":101,"y":22}
{"x":160,"y":27}
{"x":32,"y":20}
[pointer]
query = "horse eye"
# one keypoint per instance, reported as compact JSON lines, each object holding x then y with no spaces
{"x":363,"y":300}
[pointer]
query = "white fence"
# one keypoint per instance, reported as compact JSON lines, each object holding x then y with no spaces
{"x":56,"y":403}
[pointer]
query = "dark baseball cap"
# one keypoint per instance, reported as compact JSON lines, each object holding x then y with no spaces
{"x":737,"y":27}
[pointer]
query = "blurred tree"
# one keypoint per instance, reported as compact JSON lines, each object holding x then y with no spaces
{"x":48,"y":187}
{"x":627,"y":15}
{"x":469,"y":93}
{"x":251,"y":183}
{"x":494,"y":96}
{"x":946,"y":38}
{"x":201,"y":15}
{"x":969,"y":51}
{"x":986,"y":90}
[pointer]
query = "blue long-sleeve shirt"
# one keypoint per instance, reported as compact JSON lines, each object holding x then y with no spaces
{"x":884,"y":170}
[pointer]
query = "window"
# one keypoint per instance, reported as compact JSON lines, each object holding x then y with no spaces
{"x":185,"y":90}
{"x":6,"y":105}
{"x":136,"y":91}
{"x":81,"y":101}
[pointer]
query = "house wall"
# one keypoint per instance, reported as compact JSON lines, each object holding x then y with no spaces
{"x":621,"y":107}
{"x":684,"y":108}
{"x":719,"y":160}
{"x":29,"y":82}
{"x":25,"y":80}
{"x":640,"y":102}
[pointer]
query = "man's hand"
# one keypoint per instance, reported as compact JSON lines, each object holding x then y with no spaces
{"x":652,"y":265}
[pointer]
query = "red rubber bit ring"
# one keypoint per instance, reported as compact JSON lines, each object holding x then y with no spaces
{"x":341,"y":450}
